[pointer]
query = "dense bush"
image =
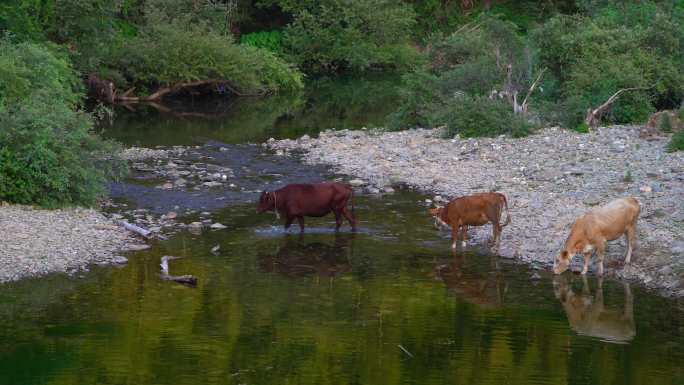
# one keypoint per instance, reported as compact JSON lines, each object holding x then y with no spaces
{"x":48,"y":153}
{"x":335,"y":35}
{"x":168,"y":54}
{"x":590,"y":59}
{"x":462,"y":70}
{"x":479,"y":116}
{"x":270,"y":40}
{"x":677,"y":142}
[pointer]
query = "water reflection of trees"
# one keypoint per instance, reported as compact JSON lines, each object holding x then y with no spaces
{"x":588,"y":315}
{"x":295,"y":256}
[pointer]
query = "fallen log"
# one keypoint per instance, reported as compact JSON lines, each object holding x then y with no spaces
{"x":188,"y":280}
{"x":180,"y":86}
{"x":135,"y":229}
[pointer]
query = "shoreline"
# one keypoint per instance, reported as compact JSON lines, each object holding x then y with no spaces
{"x":36,"y":242}
{"x":550,"y":178}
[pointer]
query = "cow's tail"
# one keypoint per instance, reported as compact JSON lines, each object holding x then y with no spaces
{"x":508,"y":214}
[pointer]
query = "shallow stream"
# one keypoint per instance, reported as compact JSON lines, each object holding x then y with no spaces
{"x":389,"y":304}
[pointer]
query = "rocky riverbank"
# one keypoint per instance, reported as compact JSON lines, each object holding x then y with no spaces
{"x":550,"y":179}
{"x":35,"y":242}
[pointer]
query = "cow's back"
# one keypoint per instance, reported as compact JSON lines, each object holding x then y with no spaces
{"x":477,"y":209}
{"x":311,"y":199}
{"x":613,"y":219}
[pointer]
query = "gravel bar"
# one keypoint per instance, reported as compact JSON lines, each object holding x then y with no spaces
{"x":550,"y":179}
{"x":35,"y":242}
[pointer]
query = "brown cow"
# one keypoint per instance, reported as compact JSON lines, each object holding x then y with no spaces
{"x":473,"y":210}
{"x":592,"y":230}
{"x":295,"y":201}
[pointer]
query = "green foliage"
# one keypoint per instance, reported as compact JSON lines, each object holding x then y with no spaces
{"x":592,"y":58}
{"x":335,"y":35}
{"x":665,"y":123}
{"x":677,"y":142}
{"x":462,"y":69}
{"x":270,"y":40}
{"x":27,"y":67}
{"x":48,"y":153}
{"x":171,"y":53}
{"x":582,"y":128}
{"x":480,"y":116}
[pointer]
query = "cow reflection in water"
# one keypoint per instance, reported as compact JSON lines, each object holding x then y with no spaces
{"x":588,"y":315}
{"x":483,"y":289}
{"x":297,"y":258}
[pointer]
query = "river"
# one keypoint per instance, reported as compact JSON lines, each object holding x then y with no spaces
{"x":389,"y":304}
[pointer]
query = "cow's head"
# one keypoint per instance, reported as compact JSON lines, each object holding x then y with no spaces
{"x":561,"y":263}
{"x":437,"y":213}
{"x":266,"y":202}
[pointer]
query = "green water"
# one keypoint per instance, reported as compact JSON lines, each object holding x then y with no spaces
{"x":341,"y":103}
{"x":387,"y":305}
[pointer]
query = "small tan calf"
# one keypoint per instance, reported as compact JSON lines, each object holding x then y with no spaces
{"x":591,"y":231}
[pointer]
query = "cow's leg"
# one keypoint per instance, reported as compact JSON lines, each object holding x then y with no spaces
{"x":600,"y":253}
{"x":338,"y":220}
{"x":465,"y":235}
{"x":587,"y":257}
{"x":631,"y":238}
{"x":288,"y":222}
{"x":496,"y":233}
{"x":350,"y":218}
{"x":454,"y":236}
{"x":300,"y":219}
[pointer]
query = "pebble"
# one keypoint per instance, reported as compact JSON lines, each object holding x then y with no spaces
{"x":217,"y":226}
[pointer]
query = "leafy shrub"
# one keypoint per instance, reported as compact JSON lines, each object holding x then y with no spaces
{"x":677,"y":142}
{"x":270,"y":40}
{"x":168,"y":54}
{"x":48,"y":153}
{"x":665,"y":123}
{"x":591,"y":58}
{"x":480,"y":116}
{"x":582,"y":128}
{"x":334,"y":35}
{"x":462,"y":69}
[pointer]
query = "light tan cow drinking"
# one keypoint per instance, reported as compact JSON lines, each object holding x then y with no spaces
{"x":591,"y":231}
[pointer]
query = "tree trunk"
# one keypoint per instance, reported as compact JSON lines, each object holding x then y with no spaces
{"x":593,"y":117}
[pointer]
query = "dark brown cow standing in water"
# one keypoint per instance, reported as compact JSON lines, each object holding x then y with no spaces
{"x":473,"y":210}
{"x":296,"y":201}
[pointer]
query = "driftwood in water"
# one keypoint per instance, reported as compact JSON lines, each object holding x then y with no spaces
{"x":135,"y":229}
{"x":219,"y":85}
{"x":187,"y":280}
{"x":105,"y":91}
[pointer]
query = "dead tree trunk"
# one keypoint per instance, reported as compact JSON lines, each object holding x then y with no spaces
{"x":593,"y":117}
